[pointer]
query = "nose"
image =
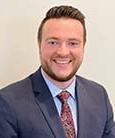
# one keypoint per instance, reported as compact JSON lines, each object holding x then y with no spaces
{"x":63,"y":50}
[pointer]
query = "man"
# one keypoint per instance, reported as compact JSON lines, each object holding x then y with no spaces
{"x":32,"y":108}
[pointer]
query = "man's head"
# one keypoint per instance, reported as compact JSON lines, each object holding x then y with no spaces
{"x":62,"y":12}
{"x":61,"y":39}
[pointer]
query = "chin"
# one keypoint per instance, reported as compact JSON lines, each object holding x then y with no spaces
{"x":59,"y":76}
{"x":62,"y":78}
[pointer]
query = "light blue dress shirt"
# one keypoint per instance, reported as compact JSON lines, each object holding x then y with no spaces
{"x":71,"y":100}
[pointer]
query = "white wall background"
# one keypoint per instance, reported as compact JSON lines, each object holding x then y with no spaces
{"x":19,"y":21}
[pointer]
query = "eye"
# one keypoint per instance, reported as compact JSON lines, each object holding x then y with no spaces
{"x":73,"y":43}
{"x":52,"y":42}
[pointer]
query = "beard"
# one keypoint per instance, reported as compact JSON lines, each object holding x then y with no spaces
{"x":47,"y":69}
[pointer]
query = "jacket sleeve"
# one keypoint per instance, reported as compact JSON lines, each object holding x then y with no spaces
{"x":8,"y":123}
{"x":109,"y":131}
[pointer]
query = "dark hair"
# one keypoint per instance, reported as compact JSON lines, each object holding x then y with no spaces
{"x":59,"y":12}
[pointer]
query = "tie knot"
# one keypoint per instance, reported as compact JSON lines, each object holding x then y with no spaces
{"x":63,"y":96}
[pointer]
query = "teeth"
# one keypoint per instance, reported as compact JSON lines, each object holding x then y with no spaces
{"x":62,"y":62}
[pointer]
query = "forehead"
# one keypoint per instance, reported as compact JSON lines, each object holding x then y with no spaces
{"x":62,"y":21}
{"x":62,"y":27}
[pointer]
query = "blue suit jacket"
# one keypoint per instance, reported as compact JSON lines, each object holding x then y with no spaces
{"x":27,"y":110}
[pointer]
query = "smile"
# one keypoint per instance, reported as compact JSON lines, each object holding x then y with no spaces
{"x":62,"y":61}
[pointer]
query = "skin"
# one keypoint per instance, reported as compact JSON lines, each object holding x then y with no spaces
{"x":61,"y":50}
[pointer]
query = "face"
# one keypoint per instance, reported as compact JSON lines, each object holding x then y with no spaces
{"x":61,"y":48}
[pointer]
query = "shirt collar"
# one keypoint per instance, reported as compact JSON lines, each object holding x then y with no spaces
{"x":56,"y":90}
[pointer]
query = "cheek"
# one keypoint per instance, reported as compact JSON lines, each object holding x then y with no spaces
{"x":78,"y":53}
{"x":45,"y":53}
{"x":42,"y":51}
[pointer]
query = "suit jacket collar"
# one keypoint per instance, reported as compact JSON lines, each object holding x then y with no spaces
{"x":45,"y":101}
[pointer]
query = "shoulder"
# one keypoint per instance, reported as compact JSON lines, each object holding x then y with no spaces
{"x":88,"y":83}
{"x":94,"y":93}
{"x":17,"y":85}
{"x":90,"y":87}
{"x":20,"y":90}
{"x":17,"y":89}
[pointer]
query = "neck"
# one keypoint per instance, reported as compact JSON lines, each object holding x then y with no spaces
{"x":61,"y":85}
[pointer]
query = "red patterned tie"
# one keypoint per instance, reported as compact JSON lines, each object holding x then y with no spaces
{"x":66,"y":115}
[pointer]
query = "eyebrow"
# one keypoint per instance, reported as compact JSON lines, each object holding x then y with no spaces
{"x":74,"y":39}
{"x":52,"y":38}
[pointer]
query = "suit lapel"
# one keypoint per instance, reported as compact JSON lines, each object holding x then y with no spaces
{"x":45,"y":102}
{"x":82,"y":110}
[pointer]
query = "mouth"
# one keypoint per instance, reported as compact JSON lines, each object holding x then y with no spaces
{"x":62,"y":62}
